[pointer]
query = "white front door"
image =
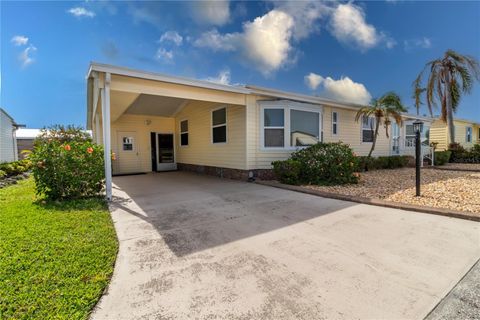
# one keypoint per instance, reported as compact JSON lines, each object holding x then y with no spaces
{"x":127,"y":159}
{"x":395,"y":138}
{"x":166,"y":152}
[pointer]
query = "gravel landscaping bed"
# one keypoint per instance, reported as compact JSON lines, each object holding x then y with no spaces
{"x":455,"y":190}
{"x":461,"y":166}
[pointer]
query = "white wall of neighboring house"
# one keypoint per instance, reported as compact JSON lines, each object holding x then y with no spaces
{"x":8,"y":142}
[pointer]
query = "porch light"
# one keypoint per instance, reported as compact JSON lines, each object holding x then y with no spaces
{"x":417,"y":126}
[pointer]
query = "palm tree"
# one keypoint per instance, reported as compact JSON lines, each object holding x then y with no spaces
{"x":449,"y":77}
{"x":382,"y":109}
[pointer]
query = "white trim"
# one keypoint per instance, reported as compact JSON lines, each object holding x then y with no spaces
{"x":336,"y":123}
{"x":219,"y":125}
{"x":106,"y":134}
{"x":183,"y":132}
{"x":100,"y":67}
{"x":287,"y":106}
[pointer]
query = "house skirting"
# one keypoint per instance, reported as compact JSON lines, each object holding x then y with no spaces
{"x":228,"y":173}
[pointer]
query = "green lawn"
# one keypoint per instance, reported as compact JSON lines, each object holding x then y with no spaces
{"x":55,"y":258}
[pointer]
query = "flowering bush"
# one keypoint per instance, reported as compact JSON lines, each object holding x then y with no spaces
{"x":67,"y":164}
{"x":320,"y":164}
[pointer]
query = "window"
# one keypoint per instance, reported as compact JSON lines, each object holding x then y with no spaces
{"x":368,"y":123}
{"x":219,"y":126}
{"x":127,"y":143}
{"x":274,"y":127}
{"x":334,"y":123}
{"x":304,"y":128}
{"x":468,"y":137}
{"x":409,"y":136}
{"x":184,"y":133}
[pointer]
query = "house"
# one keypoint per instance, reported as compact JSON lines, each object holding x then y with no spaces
{"x":8,"y":143}
{"x":155,"y":122}
{"x":25,"y":138}
{"x":467,"y":133}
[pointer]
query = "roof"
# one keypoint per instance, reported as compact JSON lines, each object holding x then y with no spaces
{"x":27,"y":133}
{"x":462,"y":120}
{"x":246,"y":89}
{"x":11,"y":118}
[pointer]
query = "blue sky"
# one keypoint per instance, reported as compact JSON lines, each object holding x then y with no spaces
{"x":342,"y":50}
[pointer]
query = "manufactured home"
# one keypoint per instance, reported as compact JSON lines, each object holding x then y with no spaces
{"x":467,"y":133}
{"x":156,"y":122}
{"x":8,"y":141}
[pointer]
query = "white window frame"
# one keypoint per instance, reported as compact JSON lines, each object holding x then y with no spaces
{"x":287,"y":106}
{"x":467,"y":135}
{"x":132,"y":143}
{"x":219,"y":125}
{"x":362,"y":129}
{"x":335,"y":123}
{"x":183,"y":132}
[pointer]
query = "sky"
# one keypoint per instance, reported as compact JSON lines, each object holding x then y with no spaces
{"x":348,"y":51}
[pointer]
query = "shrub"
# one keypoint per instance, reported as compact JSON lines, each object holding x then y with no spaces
{"x":461,"y":155}
{"x":442,"y":157}
{"x":287,"y":171}
{"x":15,"y":167}
{"x":326,"y":164}
{"x":390,"y":162}
{"x":2,"y":174}
{"x":67,"y":164}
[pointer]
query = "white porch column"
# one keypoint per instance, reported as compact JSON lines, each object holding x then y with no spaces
{"x":105,"y":93}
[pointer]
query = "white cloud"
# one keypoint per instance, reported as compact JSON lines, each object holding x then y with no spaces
{"x":223,"y":77}
{"x":81,"y":12}
{"x":19,"y":40}
{"x":305,"y":14}
{"x":164,"y":55}
{"x":211,"y":12}
{"x":390,"y":43}
{"x":348,"y":25}
{"x":343,"y":89}
{"x":422,"y":43}
{"x":25,"y":56}
{"x":265,"y":41}
{"x":313,"y":80}
{"x":171,"y":36}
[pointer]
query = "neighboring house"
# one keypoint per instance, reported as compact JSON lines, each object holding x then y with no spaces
{"x":467,"y":133}
{"x":25,"y":138}
{"x":154,"y":122}
{"x":8,"y":143}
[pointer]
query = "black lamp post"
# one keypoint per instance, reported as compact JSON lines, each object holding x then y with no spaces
{"x":417,"y":128}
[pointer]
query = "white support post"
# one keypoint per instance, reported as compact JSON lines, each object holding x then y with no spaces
{"x":105,"y":93}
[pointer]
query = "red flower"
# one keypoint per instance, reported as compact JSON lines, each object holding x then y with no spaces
{"x":67,"y":147}
{"x":89,"y":149}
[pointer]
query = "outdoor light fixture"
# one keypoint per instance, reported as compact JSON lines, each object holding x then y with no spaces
{"x":417,"y":128}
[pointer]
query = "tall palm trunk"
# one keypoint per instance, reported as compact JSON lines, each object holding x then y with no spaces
{"x":377,"y":126}
{"x":448,"y":106}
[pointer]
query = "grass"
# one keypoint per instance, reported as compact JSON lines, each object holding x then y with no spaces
{"x":55,"y":258}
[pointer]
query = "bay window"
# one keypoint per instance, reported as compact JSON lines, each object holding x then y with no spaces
{"x":288,"y":125}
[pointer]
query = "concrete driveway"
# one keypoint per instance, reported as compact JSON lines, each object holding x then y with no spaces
{"x":198,"y":247}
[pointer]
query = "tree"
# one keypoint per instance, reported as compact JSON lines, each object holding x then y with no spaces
{"x":382,"y":109}
{"x":449,"y":78}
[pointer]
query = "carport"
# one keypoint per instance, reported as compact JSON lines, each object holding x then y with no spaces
{"x":194,"y":246}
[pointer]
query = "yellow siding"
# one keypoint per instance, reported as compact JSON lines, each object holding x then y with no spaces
{"x":136,"y":123}
{"x":201,"y":150}
{"x":461,"y":133}
{"x":349,"y":132}
{"x":438,"y":133}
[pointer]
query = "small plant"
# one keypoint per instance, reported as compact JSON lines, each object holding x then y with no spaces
{"x":320,"y":164}
{"x":391,"y":162}
{"x":287,"y":171}
{"x":3,"y":174}
{"x":442,"y":157}
{"x":67,"y":164}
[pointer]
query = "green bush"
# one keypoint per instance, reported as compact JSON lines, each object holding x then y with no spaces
{"x":461,"y":155}
{"x":2,"y":174}
{"x":442,"y":157}
{"x":287,"y":171}
{"x":16,"y":167}
{"x":67,"y":164}
{"x":375,"y":163}
{"x":326,"y":164}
